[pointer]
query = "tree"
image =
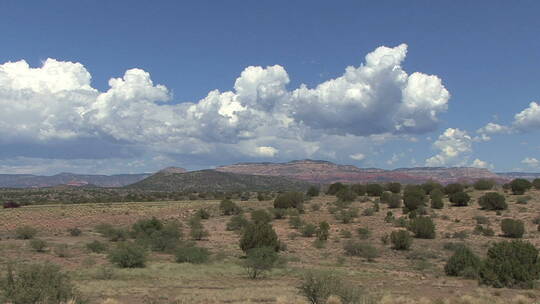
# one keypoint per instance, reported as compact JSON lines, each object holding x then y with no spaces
{"x":228,"y":207}
{"x":323,"y":231}
{"x":335,"y":188}
{"x":414,"y":197}
{"x":520,"y":186}
{"x":536,"y":183}
{"x":422,"y":227}
{"x":436,"y":196}
{"x":460,"y":199}
{"x":453,"y":188}
{"x":346,"y":195}
{"x":260,"y":216}
{"x":430,"y":186}
{"x":260,"y":260}
{"x":484,"y":184}
{"x":510,"y":264}
{"x":313,"y":191}
{"x":359,"y":189}
{"x":374,"y":189}
{"x":289,"y":200}
{"x":492,"y":201}
{"x":512,"y":228}
{"x":393,"y":187}
{"x":462,"y":259}
{"x":258,"y":235}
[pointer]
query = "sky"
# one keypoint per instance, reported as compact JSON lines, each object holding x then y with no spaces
{"x":135,"y":86}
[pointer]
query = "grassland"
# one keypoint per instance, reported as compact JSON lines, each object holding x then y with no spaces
{"x":413,"y":276}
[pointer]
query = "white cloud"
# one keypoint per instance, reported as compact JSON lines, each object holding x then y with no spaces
{"x":357,"y":156}
{"x":368,"y":105}
{"x":452,"y":145}
{"x":531,"y":162}
{"x":266,"y":151}
{"x":477,"y":163}
{"x":528,"y":119}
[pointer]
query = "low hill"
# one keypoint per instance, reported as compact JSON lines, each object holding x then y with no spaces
{"x":38,"y":181}
{"x":324,"y":172}
{"x":212,"y":180}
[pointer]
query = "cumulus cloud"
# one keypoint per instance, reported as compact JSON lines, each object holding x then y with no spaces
{"x":452,"y":145}
{"x":531,"y":162}
{"x":527,"y":120}
{"x":259,"y":118}
{"x":477,"y":163}
{"x":358,"y":156}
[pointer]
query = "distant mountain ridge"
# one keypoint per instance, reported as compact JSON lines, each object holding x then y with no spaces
{"x":212,"y":180}
{"x":35,"y":181}
{"x":325,"y":172}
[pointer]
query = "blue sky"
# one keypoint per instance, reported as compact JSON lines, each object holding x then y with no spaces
{"x":63,"y":116}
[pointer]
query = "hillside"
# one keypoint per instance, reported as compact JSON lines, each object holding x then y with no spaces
{"x":212,"y":180}
{"x":35,"y":181}
{"x":325,"y":172}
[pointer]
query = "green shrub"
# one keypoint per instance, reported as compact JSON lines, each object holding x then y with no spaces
{"x":335,"y":188}
{"x":315,"y":207}
{"x":346,"y":195}
{"x":393,"y":187}
{"x":74,"y":231}
{"x":112,"y":233}
{"x":260,"y":260}
{"x":258,"y":235}
{"x":413,"y":197}
{"x":523,"y":200}
{"x":536,"y":183}
{"x":260,"y":216}
{"x":492,"y":201}
{"x":308,"y":230}
{"x":228,"y":207}
{"x":197,"y":231}
{"x":203,"y":214}
{"x":145,"y":227}
{"x":368,"y":212}
{"x":394,"y":201}
{"x":346,"y":234}
{"x":423,"y":227}
{"x":323,"y":232}
{"x":484,"y":184}
{"x":154,"y":234}
{"x":296,"y":222}
{"x":512,"y":228}
{"x":290,"y":200}
{"x":520,"y":185}
{"x":460,"y":199}
{"x":481,"y":220}
{"x":277,"y":214}
{"x":359,"y":189}
{"x":313,"y":191}
{"x":462,"y":259}
{"x":360,"y":249}
{"x":436,"y":196}
{"x":128,"y":255}
{"x":510,"y":264}
{"x":237,"y":223}
{"x":191,"y":254}
{"x":374,"y":189}
{"x":430,"y":186}
{"x":453,"y":188}
{"x":389,"y":218}
{"x":38,"y":245}
{"x":96,"y":247}
{"x":39,"y":283}
{"x":401,"y":240}
{"x":363,"y":233}
{"x":485,"y":231}
{"x":62,"y":251}
{"x":318,"y":286}
{"x":25,"y":233}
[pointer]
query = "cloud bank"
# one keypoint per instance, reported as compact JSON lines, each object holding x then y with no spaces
{"x":261,"y":118}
